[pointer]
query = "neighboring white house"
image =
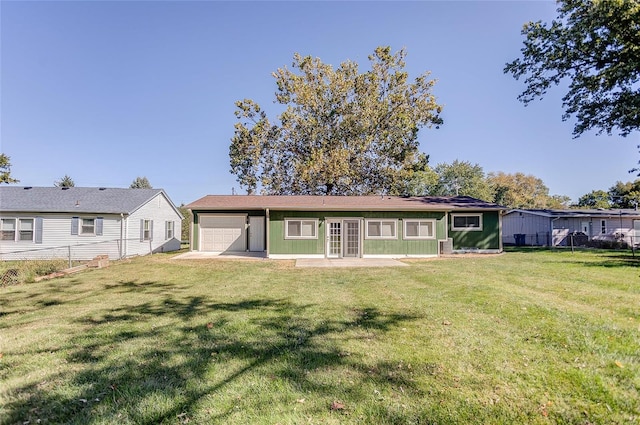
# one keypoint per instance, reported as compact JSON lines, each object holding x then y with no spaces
{"x":554,"y":227}
{"x":81,"y":223}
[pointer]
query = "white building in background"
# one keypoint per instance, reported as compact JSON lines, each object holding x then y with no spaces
{"x":81,"y":223}
{"x":554,"y":227}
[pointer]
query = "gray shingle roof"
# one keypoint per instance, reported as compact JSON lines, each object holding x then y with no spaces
{"x":340,"y":203}
{"x":73,"y":199}
{"x":578,"y":213}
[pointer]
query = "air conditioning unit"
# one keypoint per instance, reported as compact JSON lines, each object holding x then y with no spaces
{"x":446,"y":247}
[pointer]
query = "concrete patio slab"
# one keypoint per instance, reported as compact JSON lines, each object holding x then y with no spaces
{"x":349,"y":262}
{"x":301,"y":262}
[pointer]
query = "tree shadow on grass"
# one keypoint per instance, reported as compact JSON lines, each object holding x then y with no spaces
{"x":595,"y":257}
{"x":127,"y":369}
{"x":618,"y":260}
{"x":63,"y":291}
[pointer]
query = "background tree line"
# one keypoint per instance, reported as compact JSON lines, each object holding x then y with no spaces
{"x":620,"y":195}
{"x":517,"y":190}
{"x":463,"y":178}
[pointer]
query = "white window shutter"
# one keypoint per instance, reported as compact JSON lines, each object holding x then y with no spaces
{"x":141,"y":230}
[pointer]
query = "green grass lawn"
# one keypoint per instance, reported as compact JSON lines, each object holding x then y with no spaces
{"x":522,"y":338}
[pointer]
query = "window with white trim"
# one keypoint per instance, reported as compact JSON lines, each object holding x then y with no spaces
{"x":87,"y":226}
{"x":8,"y":229}
{"x":146,"y":230}
{"x":169,"y":230}
{"x":25,"y":226}
{"x":300,"y":229}
{"x":419,"y":229}
{"x":381,"y":229}
{"x":472,"y":222}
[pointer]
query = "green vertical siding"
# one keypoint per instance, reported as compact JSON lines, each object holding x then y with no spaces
{"x":279,"y":245}
{"x":398,"y":246}
{"x":487,"y":238}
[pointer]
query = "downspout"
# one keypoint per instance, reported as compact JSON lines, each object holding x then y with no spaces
{"x":446,"y":231}
{"x":500,"y":214}
{"x":191,"y":230}
{"x":121,"y":235}
{"x":126,"y":235}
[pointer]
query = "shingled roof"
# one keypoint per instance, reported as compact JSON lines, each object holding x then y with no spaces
{"x":579,"y":213}
{"x":340,"y":203}
{"x":74,"y":199}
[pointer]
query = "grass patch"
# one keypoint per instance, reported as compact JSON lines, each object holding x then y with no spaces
{"x":16,"y":272}
{"x":526,"y":337}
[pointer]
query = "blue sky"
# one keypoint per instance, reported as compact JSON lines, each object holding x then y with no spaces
{"x":106,"y":91}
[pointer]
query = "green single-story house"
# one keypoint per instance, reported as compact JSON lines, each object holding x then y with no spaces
{"x":288,"y":227}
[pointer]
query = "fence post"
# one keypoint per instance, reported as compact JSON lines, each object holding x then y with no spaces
{"x":572,"y":242}
{"x":69,"y":256}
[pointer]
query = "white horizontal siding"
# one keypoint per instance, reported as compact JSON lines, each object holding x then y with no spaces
{"x":616,"y":229}
{"x":535,"y":227}
{"x":160,"y":210}
{"x":57,"y":240}
{"x":532,"y":225}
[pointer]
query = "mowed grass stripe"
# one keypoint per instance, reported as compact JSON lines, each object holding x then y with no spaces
{"x":526,"y":337}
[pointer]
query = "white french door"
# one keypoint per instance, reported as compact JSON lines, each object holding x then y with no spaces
{"x":334,"y":240}
{"x":343,"y":238}
{"x":351,"y":239}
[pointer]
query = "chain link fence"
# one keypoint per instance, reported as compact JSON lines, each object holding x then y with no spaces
{"x":531,"y":239}
{"x":78,"y":252}
{"x":25,"y":265}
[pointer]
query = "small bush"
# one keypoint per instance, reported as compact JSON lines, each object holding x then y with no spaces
{"x":607,"y":244}
{"x":26,"y":271}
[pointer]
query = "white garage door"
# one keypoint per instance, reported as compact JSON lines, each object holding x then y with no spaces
{"x":223,"y":233}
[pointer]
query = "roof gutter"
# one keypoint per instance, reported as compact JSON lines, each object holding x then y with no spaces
{"x":352,"y":208}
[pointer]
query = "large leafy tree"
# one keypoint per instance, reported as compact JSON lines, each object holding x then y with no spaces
{"x":520,"y":190}
{"x":342,"y":131}
{"x":625,"y":195}
{"x":595,"y":199}
{"x":423,"y":182}
{"x":559,"y":202}
{"x":620,"y":195}
{"x":5,"y":170}
{"x":65,"y":181}
{"x":140,"y":183}
{"x":594,"y":45}
{"x":461,"y":178}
